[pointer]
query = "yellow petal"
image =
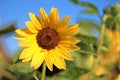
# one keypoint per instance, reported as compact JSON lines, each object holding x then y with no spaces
{"x":64,"y":47}
{"x":23,"y":32}
{"x":71,"y":42}
{"x":31,"y":27}
{"x":71,"y":30}
{"x":26,"y":59}
{"x":37,"y":59}
{"x":64,"y":22}
{"x":26,"y":53}
{"x":63,"y":53}
{"x":37,"y":66}
{"x":62,"y":61}
{"x":58,"y":62}
{"x":60,"y":30}
{"x":69,"y":47}
{"x":17,"y":36}
{"x":54,"y":16}
{"x":43,"y":15}
{"x":28,"y":42}
{"x":35,"y":21}
{"x":48,"y":60}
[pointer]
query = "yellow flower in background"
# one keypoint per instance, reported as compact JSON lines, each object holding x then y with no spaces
{"x":98,"y":71}
{"x":113,"y":55}
{"x":48,"y":39}
{"x":118,"y":78}
{"x":2,"y":56}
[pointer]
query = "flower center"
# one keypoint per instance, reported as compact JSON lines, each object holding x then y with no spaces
{"x":47,"y":38}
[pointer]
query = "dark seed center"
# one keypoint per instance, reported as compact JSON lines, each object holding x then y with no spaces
{"x":47,"y":38}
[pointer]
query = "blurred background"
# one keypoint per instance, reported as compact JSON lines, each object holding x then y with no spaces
{"x":88,"y":64}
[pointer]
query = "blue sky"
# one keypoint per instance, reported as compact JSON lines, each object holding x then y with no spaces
{"x":17,"y":11}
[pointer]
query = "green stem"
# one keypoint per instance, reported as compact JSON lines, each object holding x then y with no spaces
{"x":101,"y":34}
{"x":43,"y":71}
{"x":35,"y":75}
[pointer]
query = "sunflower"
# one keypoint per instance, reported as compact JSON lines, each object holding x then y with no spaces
{"x":48,"y":39}
{"x":113,"y":55}
{"x":118,"y":77}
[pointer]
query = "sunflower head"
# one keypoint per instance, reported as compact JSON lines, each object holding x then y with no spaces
{"x":48,"y":39}
{"x":113,"y":54}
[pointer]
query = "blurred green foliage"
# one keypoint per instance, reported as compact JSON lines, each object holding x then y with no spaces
{"x":113,"y":20}
{"x":8,"y":29}
{"x":92,"y":9}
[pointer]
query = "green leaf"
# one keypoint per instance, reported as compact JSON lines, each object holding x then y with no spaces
{"x":74,"y":71}
{"x":86,"y":61}
{"x":15,"y":57}
{"x":88,"y":44}
{"x":75,"y":1}
{"x":84,"y":52}
{"x":88,"y":5}
{"x":23,"y":67}
{"x":92,"y":9}
{"x":87,"y":39}
{"x":87,"y":27}
{"x":107,"y":43}
{"x":7,"y":29}
{"x":89,"y":12}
